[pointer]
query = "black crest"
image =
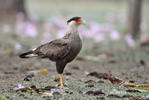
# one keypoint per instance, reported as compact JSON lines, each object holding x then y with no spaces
{"x":73,"y":19}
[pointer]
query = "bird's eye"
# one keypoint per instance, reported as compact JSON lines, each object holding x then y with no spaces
{"x":79,"y":21}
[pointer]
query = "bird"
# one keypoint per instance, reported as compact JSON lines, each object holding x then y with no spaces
{"x":61,"y":51}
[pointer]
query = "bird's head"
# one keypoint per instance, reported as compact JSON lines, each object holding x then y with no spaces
{"x":76,"y":21}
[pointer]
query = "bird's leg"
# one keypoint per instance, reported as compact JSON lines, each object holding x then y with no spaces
{"x":61,"y":80}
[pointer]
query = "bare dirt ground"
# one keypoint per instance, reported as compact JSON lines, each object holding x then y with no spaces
{"x":80,"y":77}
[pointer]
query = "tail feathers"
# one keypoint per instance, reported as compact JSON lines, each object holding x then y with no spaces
{"x":28,"y":55}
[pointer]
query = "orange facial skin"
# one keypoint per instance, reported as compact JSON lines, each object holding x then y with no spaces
{"x":79,"y":21}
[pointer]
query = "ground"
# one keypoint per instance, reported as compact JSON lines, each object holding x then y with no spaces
{"x":126,"y":66}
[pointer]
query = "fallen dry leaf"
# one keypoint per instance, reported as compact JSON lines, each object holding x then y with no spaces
{"x":100,"y":81}
{"x":132,"y":90}
{"x":30,"y":91}
{"x":90,"y":85}
{"x":127,"y":96}
{"x":131,"y":97}
{"x":92,"y":58}
{"x":139,"y":98}
{"x":80,"y":59}
{"x":113,"y":96}
{"x":44,"y":71}
{"x":89,"y":92}
{"x":144,"y":85}
{"x":46,"y":93}
{"x":98,"y":92}
{"x":95,"y":93}
{"x":106,"y":76}
{"x":6,"y":52}
{"x":28,"y":77}
{"x":75,"y":68}
{"x":112,"y":61}
{"x":95,"y":74}
{"x":136,"y":90}
{"x":105,"y":55}
{"x":47,"y":88}
{"x":89,"y":81}
{"x":115,"y":80}
{"x":8,"y":72}
{"x":126,"y":84}
{"x":142,"y":62}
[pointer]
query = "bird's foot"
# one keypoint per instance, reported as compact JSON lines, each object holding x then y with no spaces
{"x":64,"y":88}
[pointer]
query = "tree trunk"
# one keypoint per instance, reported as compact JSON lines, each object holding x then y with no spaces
{"x":11,"y":7}
{"x":134,"y":17}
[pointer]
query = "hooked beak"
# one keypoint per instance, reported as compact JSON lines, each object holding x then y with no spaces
{"x":83,"y":22}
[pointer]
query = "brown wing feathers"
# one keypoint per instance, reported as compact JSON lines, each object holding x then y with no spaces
{"x":54,"y":50}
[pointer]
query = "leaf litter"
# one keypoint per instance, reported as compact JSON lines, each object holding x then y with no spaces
{"x":95,"y":93}
{"x":106,"y":76}
{"x":46,"y":91}
{"x":50,"y":91}
{"x":130,"y":87}
{"x":29,"y":77}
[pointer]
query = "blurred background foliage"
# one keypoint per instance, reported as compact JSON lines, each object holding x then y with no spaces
{"x":25,"y":24}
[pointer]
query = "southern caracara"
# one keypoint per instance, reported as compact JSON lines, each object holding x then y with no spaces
{"x":61,"y":51}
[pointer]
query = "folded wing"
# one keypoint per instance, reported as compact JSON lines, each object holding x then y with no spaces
{"x":54,"y":50}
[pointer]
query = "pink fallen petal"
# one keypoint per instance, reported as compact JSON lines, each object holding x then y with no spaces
{"x":19,"y":86}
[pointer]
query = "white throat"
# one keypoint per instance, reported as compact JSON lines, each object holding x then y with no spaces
{"x":72,"y":27}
